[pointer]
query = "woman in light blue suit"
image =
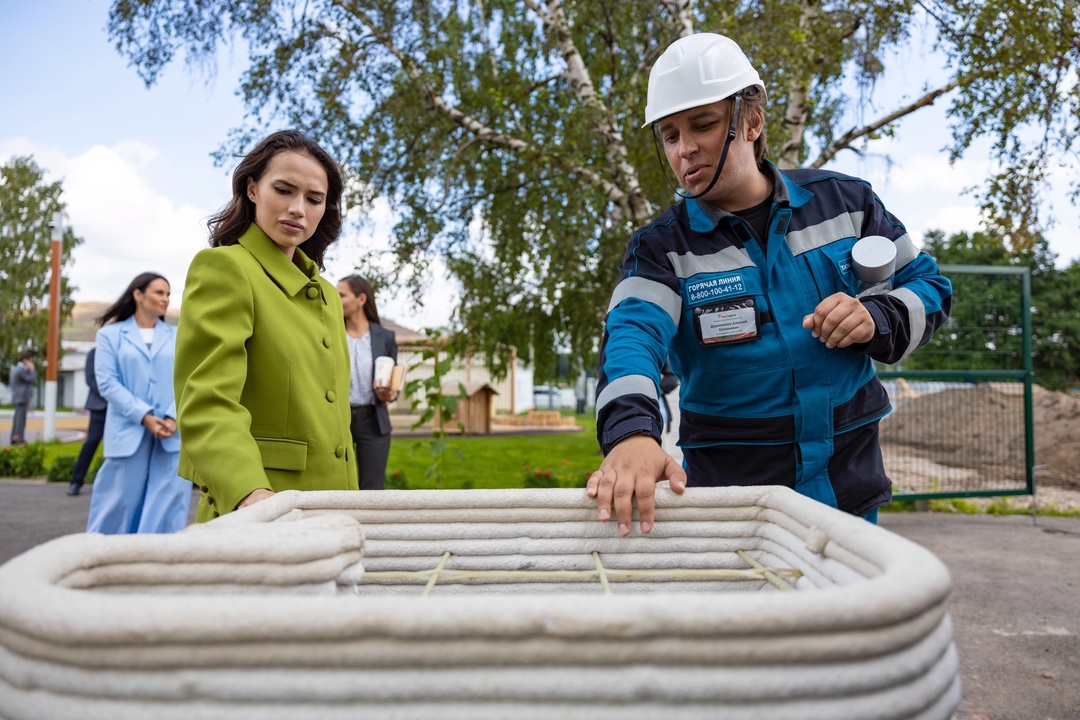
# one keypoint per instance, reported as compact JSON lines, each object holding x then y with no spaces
{"x":137,"y":489}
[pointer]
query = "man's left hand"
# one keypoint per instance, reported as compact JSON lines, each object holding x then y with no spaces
{"x":840,"y":320}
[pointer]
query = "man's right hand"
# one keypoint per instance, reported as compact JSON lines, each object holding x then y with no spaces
{"x":631,"y":469}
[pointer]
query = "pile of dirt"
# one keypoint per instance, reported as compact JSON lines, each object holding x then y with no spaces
{"x":963,"y":430}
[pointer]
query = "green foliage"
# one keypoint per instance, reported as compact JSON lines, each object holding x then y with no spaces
{"x":566,"y":476}
{"x":396,"y":481}
{"x":439,"y":409}
{"x":497,"y":460}
{"x":23,"y":460}
{"x":968,"y":506}
{"x":506,"y":135}
{"x":61,"y":469}
{"x":984,"y":331}
{"x":27,"y":205}
{"x":539,"y":478}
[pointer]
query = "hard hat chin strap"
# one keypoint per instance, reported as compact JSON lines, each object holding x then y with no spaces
{"x":732,"y":131}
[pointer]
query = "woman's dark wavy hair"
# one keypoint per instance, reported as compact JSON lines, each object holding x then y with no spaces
{"x":359,"y":284}
{"x":234,"y":219}
{"x":124,"y":307}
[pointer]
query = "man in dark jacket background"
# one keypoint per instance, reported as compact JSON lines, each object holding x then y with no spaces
{"x":97,"y":406}
{"x":22,"y":380}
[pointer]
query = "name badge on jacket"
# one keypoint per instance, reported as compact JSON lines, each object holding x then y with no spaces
{"x":728,"y":323}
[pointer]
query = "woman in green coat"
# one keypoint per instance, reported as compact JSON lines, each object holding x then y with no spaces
{"x":262,"y":365}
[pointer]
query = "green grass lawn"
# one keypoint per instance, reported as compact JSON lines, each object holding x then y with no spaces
{"x":562,"y":458}
{"x":486,"y":461}
{"x":499,"y":461}
{"x":55,"y":449}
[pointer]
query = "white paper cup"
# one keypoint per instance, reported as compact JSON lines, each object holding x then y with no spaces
{"x":384,"y":366}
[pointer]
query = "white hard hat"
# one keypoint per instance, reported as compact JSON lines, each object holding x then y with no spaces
{"x":697,"y":70}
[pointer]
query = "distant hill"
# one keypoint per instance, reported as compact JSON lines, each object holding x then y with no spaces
{"x":83,"y":327}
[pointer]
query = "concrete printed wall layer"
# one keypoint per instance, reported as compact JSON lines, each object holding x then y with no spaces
{"x":322,"y":605}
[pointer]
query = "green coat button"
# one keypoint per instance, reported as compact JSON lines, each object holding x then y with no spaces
{"x":330,"y":396}
{"x":326,"y":342}
{"x":204,"y":488}
{"x":210,"y":500}
{"x":313,"y":292}
{"x":339,"y":451}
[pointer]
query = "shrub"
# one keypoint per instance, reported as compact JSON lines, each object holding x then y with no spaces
{"x":539,"y":479}
{"x":23,"y":460}
{"x":62,"y":468}
{"x":396,"y":481}
{"x":565,"y":477}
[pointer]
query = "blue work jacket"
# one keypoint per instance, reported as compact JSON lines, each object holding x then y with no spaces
{"x":778,"y":407}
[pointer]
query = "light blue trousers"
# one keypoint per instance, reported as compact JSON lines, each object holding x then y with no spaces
{"x":141,"y":493}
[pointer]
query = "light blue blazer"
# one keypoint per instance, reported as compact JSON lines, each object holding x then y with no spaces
{"x":135,"y":380}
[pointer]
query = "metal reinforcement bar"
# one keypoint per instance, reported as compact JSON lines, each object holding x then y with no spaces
{"x":757,"y":571}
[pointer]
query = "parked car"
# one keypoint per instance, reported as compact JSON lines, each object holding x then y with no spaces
{"x":547,"y":397}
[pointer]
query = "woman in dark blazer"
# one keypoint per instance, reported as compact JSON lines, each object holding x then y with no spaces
{"x":367,"y":339}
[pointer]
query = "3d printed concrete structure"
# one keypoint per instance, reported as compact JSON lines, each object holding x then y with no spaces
{"x":742,"y":603}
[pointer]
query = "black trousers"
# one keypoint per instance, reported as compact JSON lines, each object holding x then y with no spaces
{"x":94,"y":433}
{"x":372,"y":447}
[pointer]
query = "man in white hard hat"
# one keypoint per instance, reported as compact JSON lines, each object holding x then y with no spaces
{"x":748,"y":285}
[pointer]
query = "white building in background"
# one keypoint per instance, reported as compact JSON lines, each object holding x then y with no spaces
{"x":71,"y":388}
{"x":515,"y":391}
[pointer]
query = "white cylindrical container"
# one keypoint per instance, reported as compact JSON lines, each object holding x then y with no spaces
{"x":873,"y":260}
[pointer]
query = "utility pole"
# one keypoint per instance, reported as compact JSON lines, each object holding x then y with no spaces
{"x":52,"y":344}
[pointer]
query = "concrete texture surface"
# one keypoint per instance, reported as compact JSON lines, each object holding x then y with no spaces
{"x":490,"y":603}
{"x":1016,"y":603}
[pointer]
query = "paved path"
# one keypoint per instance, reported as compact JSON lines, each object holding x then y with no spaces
{"x":1015,"y":608}
{"x":1016,"y":604}
{"x":69,"y":426}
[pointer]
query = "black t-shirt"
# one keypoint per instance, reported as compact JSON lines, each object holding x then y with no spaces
{"x":757,"y":218}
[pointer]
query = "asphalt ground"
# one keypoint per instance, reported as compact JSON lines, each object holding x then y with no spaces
{"x":1015,"y":604}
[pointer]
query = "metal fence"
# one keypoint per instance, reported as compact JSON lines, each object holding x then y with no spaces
{"x":962,"y":421}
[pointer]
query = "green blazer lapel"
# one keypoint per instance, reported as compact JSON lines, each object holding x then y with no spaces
{"x":287,"y":275}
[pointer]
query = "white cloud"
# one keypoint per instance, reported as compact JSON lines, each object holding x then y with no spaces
{"x":127,"y":228}
{"x":920,"y":187}
{"x":47,"y":158}
{"x":950,"y":219}
{"x":439,"y":297}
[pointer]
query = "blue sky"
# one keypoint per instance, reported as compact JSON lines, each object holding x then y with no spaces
{"x":140,"y":183}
